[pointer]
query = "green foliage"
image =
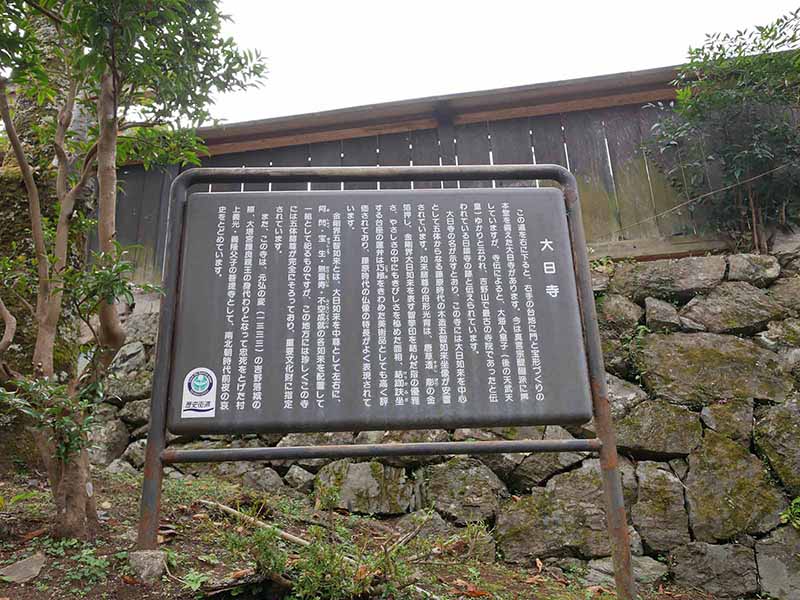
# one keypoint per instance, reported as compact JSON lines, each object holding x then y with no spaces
{"x":168,"y":60}
{"x":16,"y":499}
{"x":194,"y":580}
{"x":64,"y":416}
{"x":89,"y":569}
{"x":792,"y":514}
{"x":269,"y":555}
{"x":56,"y":408}
{"x":322,"y":571}
{"x":733,"y":127}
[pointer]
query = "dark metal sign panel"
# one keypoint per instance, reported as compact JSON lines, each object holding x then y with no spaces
{"x":370,"y":310}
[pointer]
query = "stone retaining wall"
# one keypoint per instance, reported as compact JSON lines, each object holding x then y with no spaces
{"x":703,"y":360}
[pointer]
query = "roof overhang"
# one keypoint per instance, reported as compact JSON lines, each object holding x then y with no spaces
{"x":604,"y":91}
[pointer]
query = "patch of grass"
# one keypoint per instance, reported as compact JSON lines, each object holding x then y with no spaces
{"x":188,"y":491}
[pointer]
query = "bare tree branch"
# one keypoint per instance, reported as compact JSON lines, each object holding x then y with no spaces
{"x":25,"y":303}
{"x":37,"y":229}
{"x":10,"y":330}
{"x":62,"y":126}
{"x":139,"y":124}
{"x":46,"y":12}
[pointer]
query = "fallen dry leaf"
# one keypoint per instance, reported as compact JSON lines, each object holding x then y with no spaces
{"x":599,"y":589}
{"x":25,"y":537}
{"x":241,"y":573}
{"x":362,"y":573}
{"x":467,"y":589}
{"x":130,"y":580}
{"x":539,"y":565}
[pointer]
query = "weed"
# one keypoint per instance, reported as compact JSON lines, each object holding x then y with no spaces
{"x":59,"y":547}
{"x":323,"y":571}
{"x":603,"y":264}
{"x":194,"y":580}
{"x":268,"y":552}
{"x":90,"y":570}
{"x":792,"y":514}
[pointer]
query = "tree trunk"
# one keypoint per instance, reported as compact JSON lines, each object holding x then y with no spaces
{"x":71,"y":486}
{"x":111,"y":333}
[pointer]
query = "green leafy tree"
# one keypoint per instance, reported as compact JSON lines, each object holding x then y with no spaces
{"x":146,"y":71}
{"x":734,"y":128}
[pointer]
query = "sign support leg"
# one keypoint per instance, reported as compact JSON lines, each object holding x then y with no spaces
{"x":616,"y":518}
{"x":147,"y":538}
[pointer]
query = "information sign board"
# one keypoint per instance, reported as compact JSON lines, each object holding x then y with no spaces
{"x":372,"y":310}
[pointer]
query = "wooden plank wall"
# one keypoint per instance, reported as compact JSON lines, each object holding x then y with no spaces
{"x":624,"y":194}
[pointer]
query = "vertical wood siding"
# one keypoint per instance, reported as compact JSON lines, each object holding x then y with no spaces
{"x":623,"y":191}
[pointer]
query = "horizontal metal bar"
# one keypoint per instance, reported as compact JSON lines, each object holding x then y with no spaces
{"x":423,"y":173}
{"x":170,"y":456}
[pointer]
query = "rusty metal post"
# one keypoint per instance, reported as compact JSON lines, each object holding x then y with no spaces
{"x":612,"y":483}
{"x":147,"y":538}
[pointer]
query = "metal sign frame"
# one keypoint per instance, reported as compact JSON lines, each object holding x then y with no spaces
{"x":157,"y":454}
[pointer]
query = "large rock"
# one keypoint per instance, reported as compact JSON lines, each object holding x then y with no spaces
{"x":700,"y":368}
{"x":618,"y":314}
{"x":148,"y":566}
{"x":646,"y":571}
{"x":618,"y":318}
{"x":679,"y":279}
{"x":600,"y":281}
{"x":501,"y":464}
{"x":413,"y":436}
{"x":777,"y":437}
{"x":108,"y":436}
{"x":538,"y":467}
{"x":778,"y":559}
{"x":300,"y":479}
{"x":727,"y":571}
{"x":616,"y":354}
{"x":543,"y":525}
{"x":728,"y":492}
{"x":623,"y":396}
{"x":131,"y":357}
{"x":428,"y":524}
{"x":757,"y":269}
{"x":732,"y":418}
{"x":565,"y":518}
{"x":464,"y":489}
{"x":367,"y":487}
{"x":120,"y":466}
{"x":311,"y":439}
{"x":122,"y":388}
{"x":135,"y":453}
{"x":661,"y":316}
{"x":136,"y":413}
{"x":23,"y":571}
{"x":659,"y":514}
{"x":655,"y":428}
{"x":263,"y":479}
{"x":786,"y":248}
{"x":142,"y":327}
{"x":786,"y":292}
{"x":781,"y":335}
{"x":733,"y":307}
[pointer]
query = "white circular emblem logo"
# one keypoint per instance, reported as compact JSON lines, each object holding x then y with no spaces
{"x":199,"y":383}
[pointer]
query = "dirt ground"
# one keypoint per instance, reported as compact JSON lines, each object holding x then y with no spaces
{"x":208,"y":558}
